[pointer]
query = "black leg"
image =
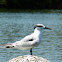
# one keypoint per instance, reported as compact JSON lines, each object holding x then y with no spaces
{"x":31,"y":51}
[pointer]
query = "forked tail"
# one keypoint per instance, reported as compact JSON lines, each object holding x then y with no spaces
{"x":6,"y":46}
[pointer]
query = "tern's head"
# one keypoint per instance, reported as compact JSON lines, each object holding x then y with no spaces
{"x":41,"y":27}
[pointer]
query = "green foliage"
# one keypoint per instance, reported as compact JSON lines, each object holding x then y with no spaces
{"x":2,"y":2}
{"x":32,"y":4}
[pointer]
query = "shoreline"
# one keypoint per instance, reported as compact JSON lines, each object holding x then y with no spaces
{"x":31,"y":10}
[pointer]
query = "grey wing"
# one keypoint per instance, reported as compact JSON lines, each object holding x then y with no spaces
{"x":28,"y":38}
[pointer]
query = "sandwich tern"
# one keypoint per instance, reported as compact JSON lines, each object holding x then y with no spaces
{"x":30,"y":41}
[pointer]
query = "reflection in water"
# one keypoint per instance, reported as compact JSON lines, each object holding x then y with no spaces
{"x":14,"y":26}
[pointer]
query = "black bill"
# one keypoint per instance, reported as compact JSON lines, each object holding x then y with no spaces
{"x":47,"y":28}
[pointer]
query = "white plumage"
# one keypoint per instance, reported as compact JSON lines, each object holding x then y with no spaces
{"x":29,"y":41}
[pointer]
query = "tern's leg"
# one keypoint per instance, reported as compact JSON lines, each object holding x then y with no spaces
{"x":31,"y":51}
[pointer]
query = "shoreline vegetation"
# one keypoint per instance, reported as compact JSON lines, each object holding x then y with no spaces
{"x":31,"y":10}
{"x":30,"y":5}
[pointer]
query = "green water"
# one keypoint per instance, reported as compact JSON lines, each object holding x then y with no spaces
{"x":15,"y":26}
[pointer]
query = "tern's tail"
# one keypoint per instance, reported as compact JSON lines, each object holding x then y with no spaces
{"x":6,"y":46}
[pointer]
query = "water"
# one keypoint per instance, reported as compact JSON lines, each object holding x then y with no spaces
{"x":14,"y":26}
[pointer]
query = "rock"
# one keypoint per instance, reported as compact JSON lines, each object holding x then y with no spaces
{"x":28,"y":58}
